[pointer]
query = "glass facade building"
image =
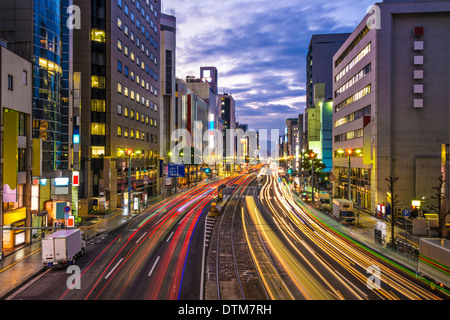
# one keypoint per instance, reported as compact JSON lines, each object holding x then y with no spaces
{"x":47,"y":77}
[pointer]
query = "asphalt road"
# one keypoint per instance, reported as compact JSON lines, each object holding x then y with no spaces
{"x":156,"y":255}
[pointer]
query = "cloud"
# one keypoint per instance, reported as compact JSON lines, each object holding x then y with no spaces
{"x":259,"y":48}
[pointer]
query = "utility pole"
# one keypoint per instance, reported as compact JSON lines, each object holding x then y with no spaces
{"x":312,"y":156}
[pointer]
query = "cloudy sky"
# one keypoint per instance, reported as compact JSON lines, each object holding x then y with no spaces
{"x":259,"y":48}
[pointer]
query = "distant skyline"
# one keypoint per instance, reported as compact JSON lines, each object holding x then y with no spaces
{"x":259,"y":48}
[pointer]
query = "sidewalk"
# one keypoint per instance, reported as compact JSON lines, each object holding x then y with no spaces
{"x":364,"y":232}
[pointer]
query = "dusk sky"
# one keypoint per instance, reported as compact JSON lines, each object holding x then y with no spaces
{"x":259,"y":48}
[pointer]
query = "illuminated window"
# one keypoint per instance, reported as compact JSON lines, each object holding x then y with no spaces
{"x":131,"y":114}
{"x":125,"y":91}
{"x":98,"y":35}
{"x":137,"y":116}
{"x":138,"y":135}
{"x":119,"y":130}
{"x":98,"y":105}
{"x":132,"y":133}
{"x":97,"y":129}
{"x":97,"y":152}
{"x":119,"y":44}
{"x":125,"y":132}
{"x":119,"y":23}
{"x":125,"y":112}
{"x":125,"y":51}
{"x":119,"y":87}
{"x":98,"y":82}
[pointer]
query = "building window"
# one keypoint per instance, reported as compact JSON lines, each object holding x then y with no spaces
{"x":125,"y":112}
{"x":98,"y":129}
{"x":98,"y":35}
{"x":25,"y":77}
{"x":119,"y":66}
{"x":119,"y":109}
{"x":97,"y":152}
{"x":10,"y":82}
{"x":98,"y":105}
{"x":98,"y":82}
{"x":119,"y":44}
{"x":119,"y":87}
{"x":119,"y":131}
{"x":119,"y":23}
{"x":125,"y":132}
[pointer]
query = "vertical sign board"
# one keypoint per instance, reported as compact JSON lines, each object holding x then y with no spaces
{"x":10,"y":155}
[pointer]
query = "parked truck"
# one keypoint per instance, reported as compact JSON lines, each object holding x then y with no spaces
{"x":322,"y":200}
{"x":434,"y":260}
{"x":343,"y":210}
{"x":63,"y":247}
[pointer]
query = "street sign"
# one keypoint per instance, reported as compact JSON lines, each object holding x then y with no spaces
{"x":332,"y":177}
{"x":175,"y":170}
{"x":406,"y":213}
{"x":66,"y":209}
{"x":70,"y":222}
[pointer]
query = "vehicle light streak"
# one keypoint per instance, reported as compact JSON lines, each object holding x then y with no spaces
{"x":352,"y":256}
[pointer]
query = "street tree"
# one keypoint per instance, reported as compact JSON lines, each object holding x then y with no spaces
{"x":394,"y":201}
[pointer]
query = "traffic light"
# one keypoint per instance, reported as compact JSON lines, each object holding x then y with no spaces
{"x":289,"y":171}
{"x":207,"y":170}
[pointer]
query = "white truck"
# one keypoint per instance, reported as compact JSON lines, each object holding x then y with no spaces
{"x":434,"y":260}
{"x":322,"y":200}
{"x":343,"y":210}
{"x":62,"y":247}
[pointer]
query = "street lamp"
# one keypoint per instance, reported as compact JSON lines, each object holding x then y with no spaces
{"x":312,"y":155}
{"x":349,"y":153}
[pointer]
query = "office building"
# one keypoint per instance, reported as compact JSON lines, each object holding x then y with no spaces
{"x":18,"y":207}
{"x":117,"y":52}
{"x":168,"y":122}
{"x":391,"y":104}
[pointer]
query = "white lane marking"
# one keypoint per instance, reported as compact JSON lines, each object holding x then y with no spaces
{"x":141,"y":237}
{"x":107,"y":276}
{"x":154,"y":265}
{"x":169,"y":237}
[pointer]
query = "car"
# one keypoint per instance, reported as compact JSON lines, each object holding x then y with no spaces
{"x":305,"y":197}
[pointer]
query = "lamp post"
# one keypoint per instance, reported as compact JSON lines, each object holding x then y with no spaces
{"x":312,"y":155}
{"x":349,"y":153}
{"x":129,"y":152}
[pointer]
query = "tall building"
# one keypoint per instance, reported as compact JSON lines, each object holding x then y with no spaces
{"x":18,"y":208}
{"x":37,"y":37}
{"x":319,"y":86}
{"x":37,"y":31}
{"x":117,"y":52}
{"x":319,"y":62}
{"x":391,"y":104}
{"x":168,"y":83}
